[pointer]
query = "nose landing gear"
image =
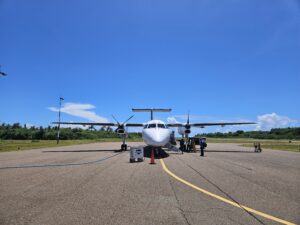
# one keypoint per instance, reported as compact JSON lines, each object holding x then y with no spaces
{"x":158,"y":153}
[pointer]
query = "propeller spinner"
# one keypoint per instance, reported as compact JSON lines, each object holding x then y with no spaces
{"x":121,"y":126}
{"x":187,"y":125}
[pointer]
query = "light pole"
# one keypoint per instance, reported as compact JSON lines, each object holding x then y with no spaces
{"x":58,"y":129}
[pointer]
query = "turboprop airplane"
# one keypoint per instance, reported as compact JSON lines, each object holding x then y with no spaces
{"x":155,"y":133}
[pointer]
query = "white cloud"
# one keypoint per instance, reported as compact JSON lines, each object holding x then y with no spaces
{"x":172,"y":119}
{"x":272,"y":120}
{"x":81,"y":110}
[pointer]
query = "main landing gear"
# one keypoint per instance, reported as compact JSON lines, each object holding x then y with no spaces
{"x":123,"y":147}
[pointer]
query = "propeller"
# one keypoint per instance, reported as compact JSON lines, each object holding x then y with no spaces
{"x":121,"y":126}
{"x":91,"y":127}
{"x":187,"y":125}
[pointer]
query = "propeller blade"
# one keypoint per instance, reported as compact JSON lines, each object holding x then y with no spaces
{"x":116,"y":120}
{"x":92,"y":127}
{"x":128,"y":120}
{"x":187,"y":125}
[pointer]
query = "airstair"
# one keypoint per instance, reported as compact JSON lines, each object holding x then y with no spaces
{"x":173,"y":148}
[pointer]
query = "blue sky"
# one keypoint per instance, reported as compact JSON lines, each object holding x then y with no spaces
{"x":226,"y":60}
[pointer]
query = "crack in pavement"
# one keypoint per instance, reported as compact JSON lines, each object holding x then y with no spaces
{"x":178,"y":203}
{"x":59,"y":165}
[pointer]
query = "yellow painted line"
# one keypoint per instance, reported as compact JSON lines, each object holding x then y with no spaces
{"x":224,"y":199}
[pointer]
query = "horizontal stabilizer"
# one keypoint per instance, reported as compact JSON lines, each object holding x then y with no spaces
{"x":151,"y":111}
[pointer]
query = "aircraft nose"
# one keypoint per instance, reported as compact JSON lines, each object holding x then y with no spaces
{"x":160,"y":138}
{"x":155,"y":138}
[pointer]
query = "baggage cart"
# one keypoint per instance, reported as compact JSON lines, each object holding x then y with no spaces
{"x":136,"y":154}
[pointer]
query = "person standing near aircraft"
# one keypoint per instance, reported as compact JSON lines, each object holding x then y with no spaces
{"x":182,"y":145}
{"x":202,"y":146}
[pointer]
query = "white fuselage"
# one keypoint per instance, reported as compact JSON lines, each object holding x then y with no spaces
{"x":156,"y":133}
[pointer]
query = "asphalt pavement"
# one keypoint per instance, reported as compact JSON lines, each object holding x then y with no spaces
{"x":96,"y":184}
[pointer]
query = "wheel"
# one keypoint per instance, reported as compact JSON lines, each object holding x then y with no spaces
{"x":124,"y":147}
{"x":131,"y":160}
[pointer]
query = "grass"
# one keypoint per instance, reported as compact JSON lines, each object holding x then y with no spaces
{"x":19,"y":145}
{"x":284,"y":145}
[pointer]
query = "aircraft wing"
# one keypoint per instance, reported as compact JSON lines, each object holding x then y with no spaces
{"x":134,"y":124}
{"x":207,"y":124}
{"x":86,"y":124}
{"x":100,"y":124}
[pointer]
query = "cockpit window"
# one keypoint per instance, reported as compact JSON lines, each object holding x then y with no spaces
{"x":152,"y":125}
{"x":160,"y":125}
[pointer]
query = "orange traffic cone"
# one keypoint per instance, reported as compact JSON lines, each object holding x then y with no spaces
{"x":152,"y":157}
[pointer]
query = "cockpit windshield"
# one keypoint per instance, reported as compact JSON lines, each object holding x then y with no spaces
{"x":152,"y":125}
{"x":160,"y":125}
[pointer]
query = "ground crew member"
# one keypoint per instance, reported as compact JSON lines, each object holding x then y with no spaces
{"x":255,"y":146}
{"x":202,"y":146}
{"x":188,"y":145}
{"x":194,"y":145}
{"x":258,"y":147}
{"x":181,"y":145}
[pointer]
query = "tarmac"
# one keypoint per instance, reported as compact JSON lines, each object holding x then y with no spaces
{"x":94,"y":184}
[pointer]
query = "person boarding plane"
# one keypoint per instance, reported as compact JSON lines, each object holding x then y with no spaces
{"x":155,"y":133}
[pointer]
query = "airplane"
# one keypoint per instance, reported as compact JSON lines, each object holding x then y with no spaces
{"x":155,"y":133}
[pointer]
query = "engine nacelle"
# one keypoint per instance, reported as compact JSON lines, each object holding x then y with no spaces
{"x":183,"y":130}
{"x":120,"y":130}
{"x":187,"y":127}
{"x":187,"y":131}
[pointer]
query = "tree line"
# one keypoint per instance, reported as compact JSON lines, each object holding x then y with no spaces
{"x":290,"y":133}
{"x":18,"y":132}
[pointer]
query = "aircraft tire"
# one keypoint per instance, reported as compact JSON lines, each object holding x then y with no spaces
{"x":124,"y":147}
